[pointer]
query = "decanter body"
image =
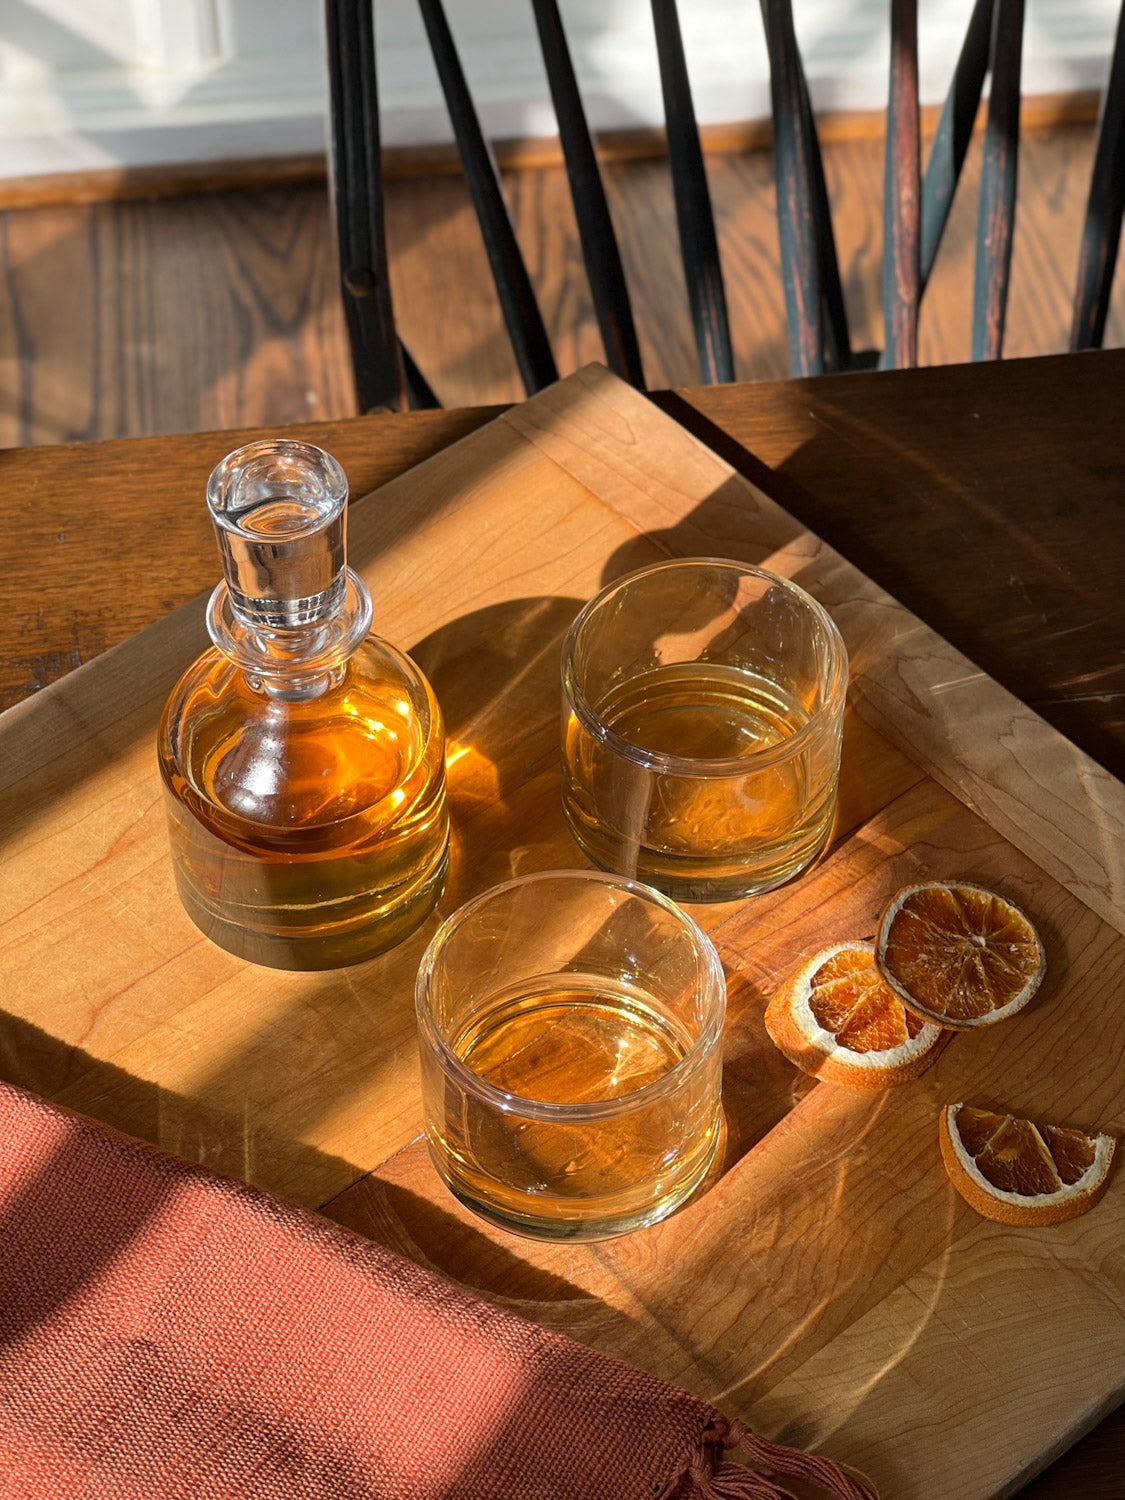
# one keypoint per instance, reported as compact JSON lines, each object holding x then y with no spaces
{"x":303,"y":758}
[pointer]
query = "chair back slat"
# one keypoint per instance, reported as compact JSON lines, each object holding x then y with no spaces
{"x":916,"y":207}
{"x":595,"y":227}
{"x":376,"y":357}
{"x":996,"y":216}
{"x":837,"y":343}
{"x":698,"y":243}
{"x":796,"y":214}
{"x":520,"y":310}
{"x":418,"y":390}
{"x":901,"y":192}
{"x":1101,"y":231}
{"x":953,"y":134}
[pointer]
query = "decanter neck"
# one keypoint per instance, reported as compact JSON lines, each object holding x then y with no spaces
{"x":290,"y":612}
{"x":299,"y":662}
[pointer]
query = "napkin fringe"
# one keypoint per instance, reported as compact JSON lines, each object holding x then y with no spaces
{"x":710,"y":1478}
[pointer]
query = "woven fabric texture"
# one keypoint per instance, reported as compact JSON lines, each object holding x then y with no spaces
{"x":166,"y":1334}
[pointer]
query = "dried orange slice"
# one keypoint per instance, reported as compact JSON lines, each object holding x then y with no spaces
{"x":1018,"y":1173}
{"x":838,"y":1021}
{"x":958,"y":955}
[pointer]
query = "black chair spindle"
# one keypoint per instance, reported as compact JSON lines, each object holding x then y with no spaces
{"x":796,"y":215}
{"x":997,"y":212}
{"x":419,"y":392}
{"x":837,"y":341}
{"x":1101,"y":231}
{"x":695,"y":219}
{"x":901,"y":192}
{"x":520,"y":310}
{"x":595,"y":227}
{"x":376,"y":357}
{"x":953,"y":134}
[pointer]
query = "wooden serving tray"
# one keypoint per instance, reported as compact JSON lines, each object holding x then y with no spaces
{"x":830,"y":1287}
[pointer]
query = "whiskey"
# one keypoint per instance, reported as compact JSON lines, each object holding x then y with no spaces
{"x":703,"y":705}
{"x":706,"y":795}
{"x":305,"y":835}
{"x":302,"y":757}
{"x":577,"y":1040}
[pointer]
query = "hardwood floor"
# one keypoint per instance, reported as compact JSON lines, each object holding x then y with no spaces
{"x":221,"y":309}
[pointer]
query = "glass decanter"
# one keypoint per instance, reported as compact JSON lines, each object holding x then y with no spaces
{"x":303,"y":758}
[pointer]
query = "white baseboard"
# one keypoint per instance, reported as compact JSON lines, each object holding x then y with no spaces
{"x":89,"y":84}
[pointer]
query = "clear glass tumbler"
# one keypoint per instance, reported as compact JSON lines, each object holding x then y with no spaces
{"x":571,"y":1040}
{"x":703,"y":705}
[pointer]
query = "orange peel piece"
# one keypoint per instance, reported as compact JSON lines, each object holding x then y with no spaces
{"x":1016,"y":1172}
{"x":836,"y":1020}
{"x":958,"y":955}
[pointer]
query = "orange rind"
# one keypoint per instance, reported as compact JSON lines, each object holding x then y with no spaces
{"x":1015,"y":1172}
{"x":836,"y":1020}
{"x":958,"y":955}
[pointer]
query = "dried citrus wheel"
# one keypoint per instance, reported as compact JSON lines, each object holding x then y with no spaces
{"x":958,"y":955}
{"x":836,"y":1019}
{"x":1019,"y":1173}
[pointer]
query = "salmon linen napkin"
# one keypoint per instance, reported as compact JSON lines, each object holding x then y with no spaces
{"x":166,"y":1334}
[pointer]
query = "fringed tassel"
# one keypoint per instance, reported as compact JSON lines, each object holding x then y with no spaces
{"x":710,"y":1478}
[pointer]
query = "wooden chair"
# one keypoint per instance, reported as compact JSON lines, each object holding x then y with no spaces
{"x":916,"y":205}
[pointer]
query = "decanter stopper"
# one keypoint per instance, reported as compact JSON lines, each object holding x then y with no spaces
{"x":280,"y":514}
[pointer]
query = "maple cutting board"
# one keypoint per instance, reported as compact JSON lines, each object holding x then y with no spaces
{"x":830,"y":1287}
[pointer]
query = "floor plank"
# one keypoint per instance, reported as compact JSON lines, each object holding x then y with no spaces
{"x":221,"y":309}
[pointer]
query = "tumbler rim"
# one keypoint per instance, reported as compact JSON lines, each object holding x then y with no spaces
{"x":712,"y":980}
{"x":680,"y":765}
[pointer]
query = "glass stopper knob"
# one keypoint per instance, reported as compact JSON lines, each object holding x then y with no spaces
{"x":280,"y":514}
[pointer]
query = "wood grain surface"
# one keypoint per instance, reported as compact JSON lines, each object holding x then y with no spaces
{"x":431,"y":550}
{"x":222,"y":310}
{"x":844,"y":1296}
{"x":987,"y":499}
{"x":840,"y":1291}
{"x":991,"y":500}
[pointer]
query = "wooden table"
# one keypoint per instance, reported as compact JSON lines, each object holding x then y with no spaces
{"x":986,"y":498}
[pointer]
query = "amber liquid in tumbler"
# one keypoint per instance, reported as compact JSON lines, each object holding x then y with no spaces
{"x":305,"y":834}
{"x":571,"y":1039}
{"x":691,"y":834}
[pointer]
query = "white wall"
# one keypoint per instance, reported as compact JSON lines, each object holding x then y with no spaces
{"x":96,"y":83}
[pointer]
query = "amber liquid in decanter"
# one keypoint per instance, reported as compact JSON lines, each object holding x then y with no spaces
{"x":302,"y":757}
